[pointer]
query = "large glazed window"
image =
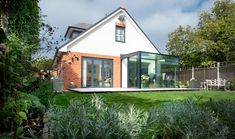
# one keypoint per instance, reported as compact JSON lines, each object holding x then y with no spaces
{"x":133,"y":71}
{"x":97,"y":72}
{"x":150,"y":70}
{"x":158,"y":71}
{"x":167,"y":71}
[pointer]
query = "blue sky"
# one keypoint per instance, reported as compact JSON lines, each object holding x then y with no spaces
{"x":157,"y":18}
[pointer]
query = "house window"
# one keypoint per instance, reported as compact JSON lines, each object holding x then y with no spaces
{"x":97,"y":72}
{"x":120,"y":34}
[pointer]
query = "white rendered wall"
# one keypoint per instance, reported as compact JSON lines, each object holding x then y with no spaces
{"x":102,"y":40}
{"x":124,"y":73}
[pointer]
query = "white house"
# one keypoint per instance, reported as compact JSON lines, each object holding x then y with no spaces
{"x":114,"y":52}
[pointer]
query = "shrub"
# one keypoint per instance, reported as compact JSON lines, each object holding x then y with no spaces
{"x":15,"y":112}
{"x":44,"y":92}
{"x":93,"y":119}
{"x":225,"y":110}
{"x":231,"y":84}
{"x":187,"y":120}
{"x":37,"y":108}
{"x":70,"y":122}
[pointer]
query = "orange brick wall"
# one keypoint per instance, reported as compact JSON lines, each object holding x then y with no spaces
{"x":72,"y":72}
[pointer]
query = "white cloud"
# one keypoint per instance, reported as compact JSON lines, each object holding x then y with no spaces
{"x":159,"y":25}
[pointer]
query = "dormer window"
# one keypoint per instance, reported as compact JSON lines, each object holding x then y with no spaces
{"x":120,"y":34}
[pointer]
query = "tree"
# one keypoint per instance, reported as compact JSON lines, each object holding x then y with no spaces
{"x":20,"y":33}
{"x":212,"y":41}
{"x":42,"y":63}
{"x":21,"y":18}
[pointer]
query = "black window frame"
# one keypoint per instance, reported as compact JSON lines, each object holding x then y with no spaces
{"x":124,"y":29}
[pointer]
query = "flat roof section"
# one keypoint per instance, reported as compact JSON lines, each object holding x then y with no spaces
{"x":99,"y":90}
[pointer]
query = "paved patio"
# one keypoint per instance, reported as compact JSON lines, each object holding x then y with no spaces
{"x":97,"y":90}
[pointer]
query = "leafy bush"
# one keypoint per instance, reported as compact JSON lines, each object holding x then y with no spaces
{"x":93,"y":119}
{"x":44,"y":92}
{"x":187,"y":120}
{"x":225,"y":110}
{"x":15,"y":112}
{"x":19,"y":108}
{"x":33,"y":106}
{"x":231,"y":84}
{"x":37,"y":108}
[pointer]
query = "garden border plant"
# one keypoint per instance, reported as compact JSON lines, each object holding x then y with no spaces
{"x":92,"y":118}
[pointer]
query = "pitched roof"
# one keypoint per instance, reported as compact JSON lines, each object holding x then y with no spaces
{"x":77,"y":27}
{"x":94,"y":26}
{"x":82,"y":25}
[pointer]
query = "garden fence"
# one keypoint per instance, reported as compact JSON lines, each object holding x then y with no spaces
{"x":215,"y":71}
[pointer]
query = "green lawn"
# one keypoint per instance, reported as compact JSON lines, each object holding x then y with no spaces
{"x":146,"y":99}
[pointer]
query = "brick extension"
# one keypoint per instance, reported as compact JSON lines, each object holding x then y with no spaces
{"x":72,"y":72}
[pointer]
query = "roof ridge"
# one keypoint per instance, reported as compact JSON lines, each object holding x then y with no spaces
{"x":122,"y":8}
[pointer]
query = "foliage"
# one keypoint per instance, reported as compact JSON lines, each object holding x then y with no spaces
{"x":23,"y":19}
{"x":225,"y":110}
{"x":94,"y":119}
{"x":44,"y":92}
{"x":15,"y":112}
{"x":212,"y":41}
{"x":36,"y":108}
{"x":14,"y":65}
{"x":231,"y":84}
{"x":19,"y":109}
{"x":187,"y":120}
{"x":19,"y":34}
{"x":42,"y":63}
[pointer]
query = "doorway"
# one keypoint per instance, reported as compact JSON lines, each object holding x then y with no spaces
{"x":97,"y":72}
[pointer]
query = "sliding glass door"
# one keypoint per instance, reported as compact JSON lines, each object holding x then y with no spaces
{"x":97,"y":72}
{"x":133,"y":72}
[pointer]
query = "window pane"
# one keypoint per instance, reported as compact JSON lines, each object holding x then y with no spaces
{"x":118,"y":38}
{"x":122,"y":39}
{"x":148,"y":71}
{"x":120,"y":34}
{"x":118,"y":31}
{"x":107,"y":73}
{"x":87,"y":73}
{"x":133,"y":70}
{"x":97,"y":74}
